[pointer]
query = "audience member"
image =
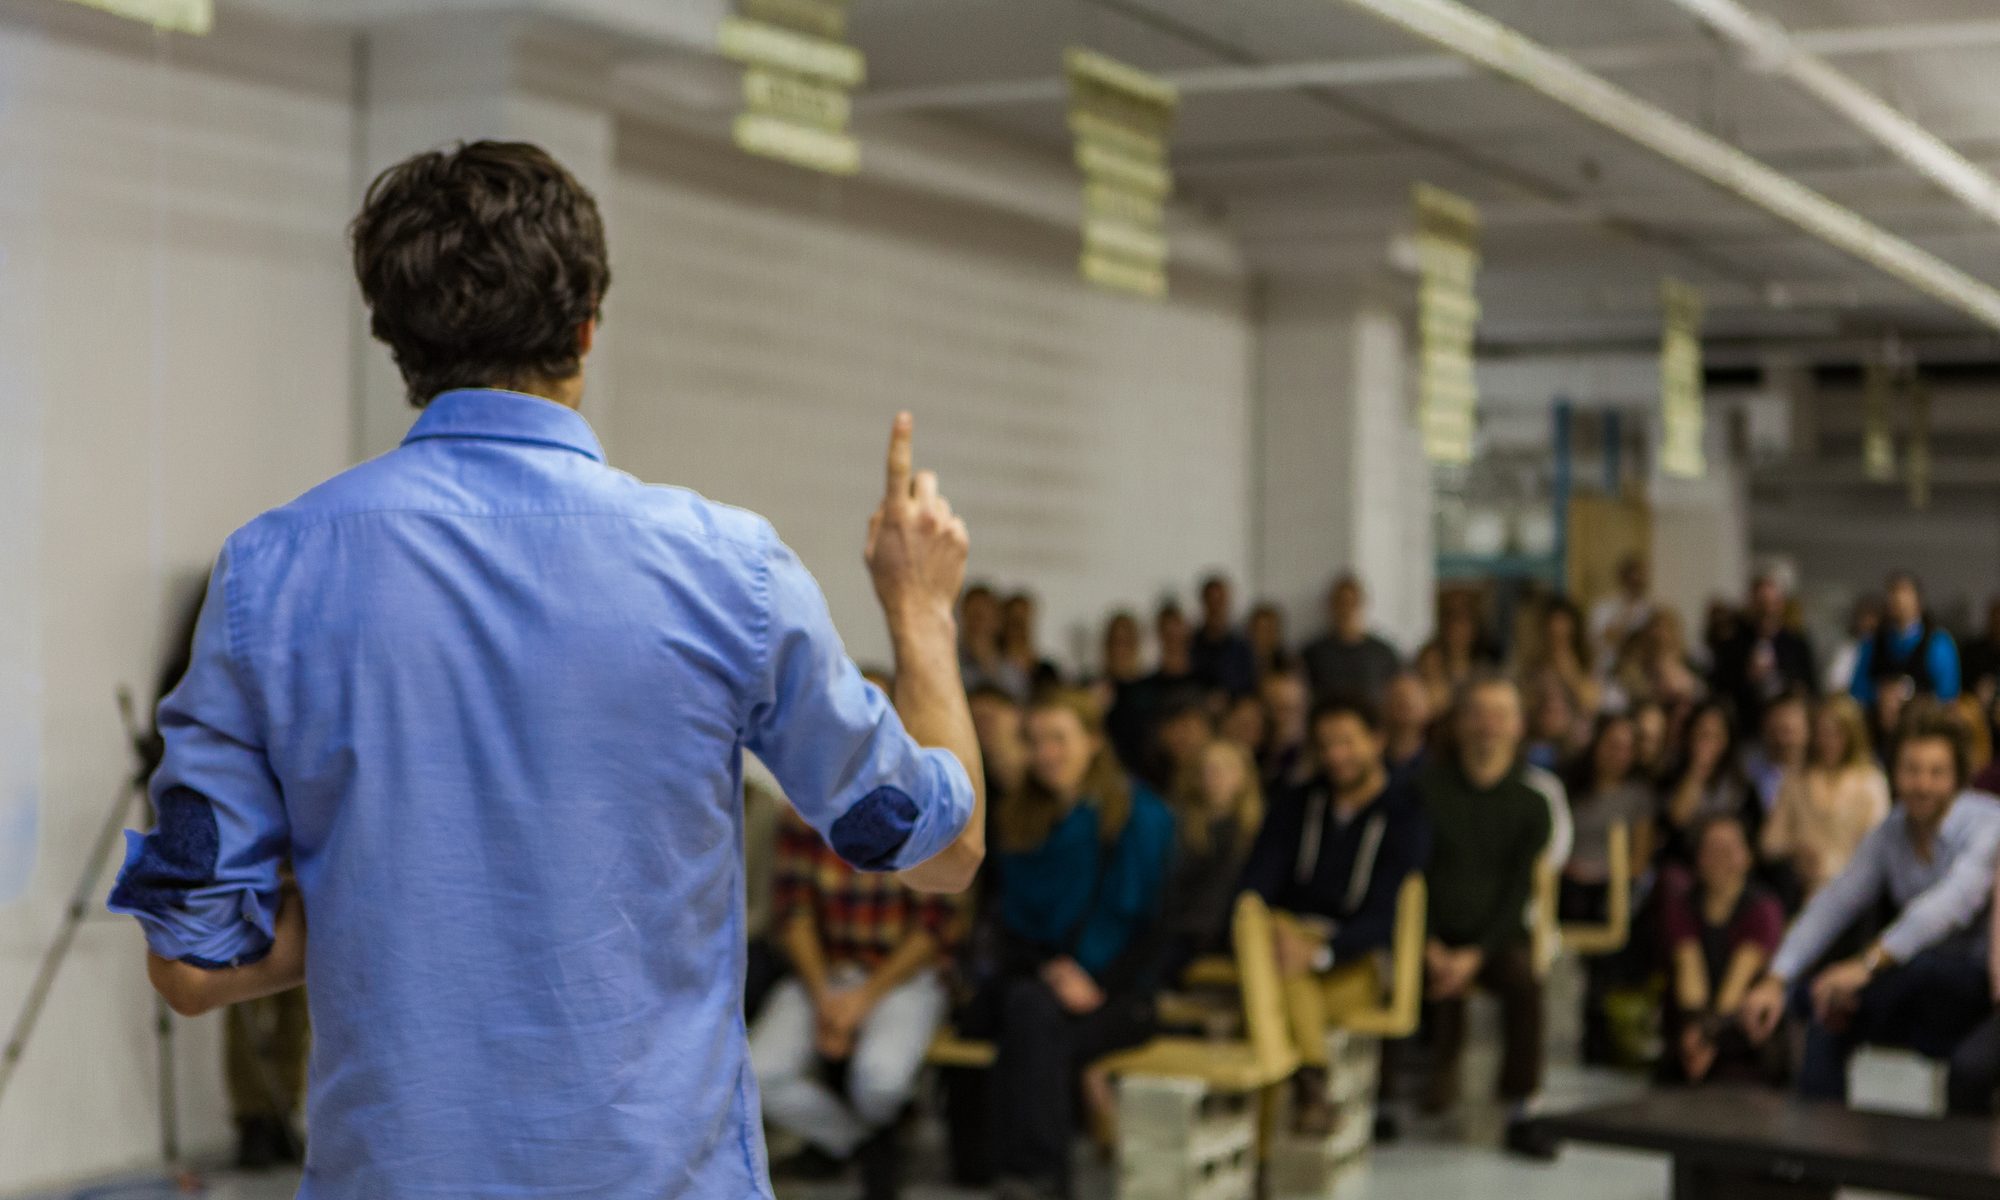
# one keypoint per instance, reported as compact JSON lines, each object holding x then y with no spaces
{"x":1406,"y":724}
{"x":1288,"y":758}
{"x":1559,"y":653}
{"x":1908,"y":646}
{"x":1825,"y":810}
{"x":1617,"y":618}
{"x":1123,"y":662}
{"x":1785,"y":738}
{"x":1655,"y":664}
{"x":1184,"y":731}
{"x":1083,"y":861}
{"x":1766,"y":658}
{"x":865,"y":992}
{"x":1605,"y":790}
{"x":1018,"y":643}
{"x":1980,"y":659}
{"x":1266,"y":631}
{"x":980,"y":658}
{"x":1706,"y":780}
{"x":1347,"y":660}
{"x":1460,"y":650}
{"x":1862,"y":623}
{"x":1245,"y":722}
{"x":1221,"y":657}
{"x":1330,"y":860}
{"x":1721,"y":931}
{"x":1218,"y":808}
{"x":1490,"y":828}
{"x":1554,"y":720}
{"x":1141,"y":706}
{"x":1652,"y":740}
{"x":1925,"y":983}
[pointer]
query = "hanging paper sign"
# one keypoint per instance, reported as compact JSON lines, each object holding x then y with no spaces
{"x":1681,"y":415}
{"x":175,"y":16}
{"x":798,"y":82}
{"x":1121,"y":117}
{"x":1447,"y":322}
{"x":1918,"y":467}
{"x":1878,"y":442}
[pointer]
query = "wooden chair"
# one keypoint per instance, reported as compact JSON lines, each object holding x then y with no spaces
{"x":1610,"y":935}
{"x":1264,"y":1056}
{"x":1395,"y":1014}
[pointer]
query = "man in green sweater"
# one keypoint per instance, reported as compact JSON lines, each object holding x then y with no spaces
{"x":1490,"y":826}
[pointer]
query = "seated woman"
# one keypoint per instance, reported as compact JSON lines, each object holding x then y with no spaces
{"x":1824,"y":811}
{"x":1706,"y":781}
{"x":1083,"y":860}
{"x":1330,"y":861}
{"x":1605,"y":790}
{"x":1217,"y":811}
{"x":1721,"y":931}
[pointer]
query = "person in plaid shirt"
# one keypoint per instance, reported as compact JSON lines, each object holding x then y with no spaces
{"x":867,"y":992}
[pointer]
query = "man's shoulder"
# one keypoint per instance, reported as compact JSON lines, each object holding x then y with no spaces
{"x":389,"y":483}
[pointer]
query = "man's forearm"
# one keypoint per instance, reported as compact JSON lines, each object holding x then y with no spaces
{"x":191,"y":991}
{"x":801,"y":938}
{"x":930,"y":698}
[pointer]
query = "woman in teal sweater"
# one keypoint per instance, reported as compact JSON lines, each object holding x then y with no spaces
{"x":1083,"y":860}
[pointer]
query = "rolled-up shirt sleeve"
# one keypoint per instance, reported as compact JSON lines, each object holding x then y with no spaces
{"x":883,"y":802}
{"x":204,"y":882}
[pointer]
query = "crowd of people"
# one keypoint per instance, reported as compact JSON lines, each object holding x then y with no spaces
{"x":1810,"y":857}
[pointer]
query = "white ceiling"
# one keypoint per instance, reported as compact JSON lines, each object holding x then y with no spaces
{"x":1580,"y":224}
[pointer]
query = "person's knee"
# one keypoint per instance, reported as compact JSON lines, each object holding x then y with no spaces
{"x":878,"y":1090}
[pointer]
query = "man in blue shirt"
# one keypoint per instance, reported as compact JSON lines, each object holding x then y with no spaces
{"x":1906,"y":647}
{"x":489,"y":698}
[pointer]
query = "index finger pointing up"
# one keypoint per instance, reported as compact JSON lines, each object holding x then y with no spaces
{"x":900,"y":457}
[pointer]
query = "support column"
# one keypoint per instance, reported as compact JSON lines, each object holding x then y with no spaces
{"x":1342,"y":481}
{"x":432,"y":81}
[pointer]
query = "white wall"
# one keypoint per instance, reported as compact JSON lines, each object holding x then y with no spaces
{"x":770,"y":324}
{"x":184,"y":351}
{"x":1342,"y":483}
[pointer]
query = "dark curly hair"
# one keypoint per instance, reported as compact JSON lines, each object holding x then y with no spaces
{"x":478,"y":264}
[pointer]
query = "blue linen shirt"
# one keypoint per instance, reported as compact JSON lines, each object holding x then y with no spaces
{"x":489,"y":696}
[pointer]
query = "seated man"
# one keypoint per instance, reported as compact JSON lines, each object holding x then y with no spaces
{"x":1490,"y":828}
{"x":866,"y":991}
{"x":1924,"y":984}
{"x":1330,"y":860}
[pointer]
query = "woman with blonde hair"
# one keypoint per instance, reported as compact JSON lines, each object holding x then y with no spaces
{"x":1824,"y":811}
{"x":1218,"y":806}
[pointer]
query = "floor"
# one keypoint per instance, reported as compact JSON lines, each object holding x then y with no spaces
{"x":1432,"y":1163}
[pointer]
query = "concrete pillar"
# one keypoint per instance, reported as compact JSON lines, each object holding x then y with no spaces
{"x":1342,"y":481}
{"x":432,"y":81}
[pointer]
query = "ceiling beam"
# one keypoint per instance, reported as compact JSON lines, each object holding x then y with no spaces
{"x":1768,"y":48}
{"x":1429,"y":68}
{"x":1478,"y":38}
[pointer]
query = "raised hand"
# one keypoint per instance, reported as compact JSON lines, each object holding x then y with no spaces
{"x":916,"y":547}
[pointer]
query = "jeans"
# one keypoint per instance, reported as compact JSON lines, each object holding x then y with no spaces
{"x":882,"y":1072}
{"x":1938,"y":1004}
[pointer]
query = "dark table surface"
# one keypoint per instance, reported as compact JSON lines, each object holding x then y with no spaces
{"x":1754,"y":1129}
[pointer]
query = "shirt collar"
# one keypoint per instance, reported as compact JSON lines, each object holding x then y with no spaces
{"x":501,"y":416}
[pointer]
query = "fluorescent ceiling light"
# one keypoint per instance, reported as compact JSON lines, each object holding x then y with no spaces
{"x":1463,"y":31}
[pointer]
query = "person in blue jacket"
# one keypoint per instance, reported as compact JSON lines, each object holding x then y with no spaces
{"x":1907,"y":645}
{"x":1083,"y":860}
